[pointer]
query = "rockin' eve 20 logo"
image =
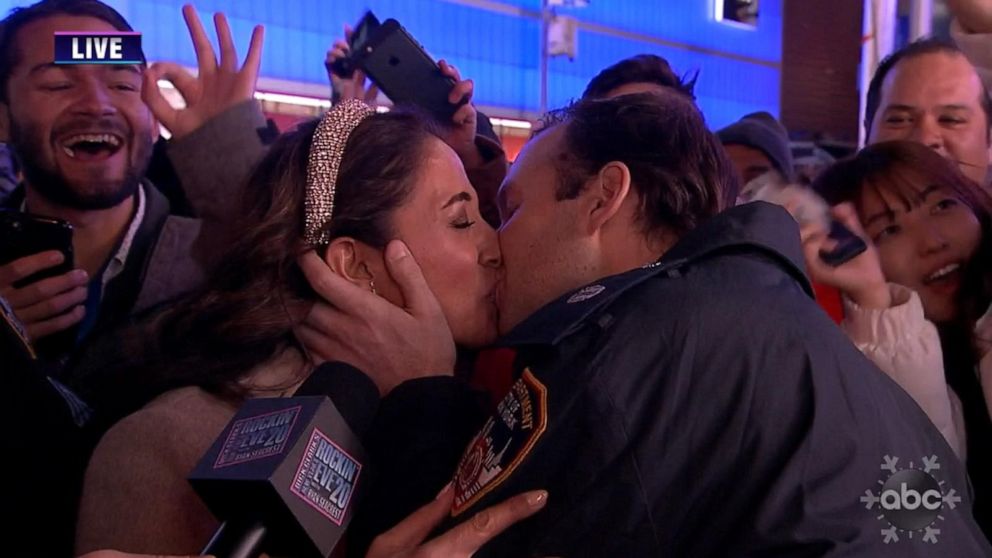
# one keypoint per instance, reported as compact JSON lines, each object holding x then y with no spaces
{"x":90,"y":47}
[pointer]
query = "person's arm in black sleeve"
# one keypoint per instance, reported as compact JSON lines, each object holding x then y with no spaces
{"x":418,"y":435}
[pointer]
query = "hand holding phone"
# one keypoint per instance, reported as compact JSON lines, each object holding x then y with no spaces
{"x":347,"y":81}
{"x":340,"y":60}
{"x":860,"y":277}
{"x":461,"y":132}
{"x":807,"y":208}
{"x":404,"y":71}
{"x":38,"y":280}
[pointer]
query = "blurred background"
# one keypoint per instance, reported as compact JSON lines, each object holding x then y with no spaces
{"x":801,"y":60}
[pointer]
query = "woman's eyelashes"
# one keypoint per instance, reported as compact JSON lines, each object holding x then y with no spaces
{"x":462,"y":223}
{"x":944,"y":204}
{"x":887,"y":232}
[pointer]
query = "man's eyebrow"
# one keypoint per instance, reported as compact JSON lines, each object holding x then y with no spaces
{"x":133,"y":68}
{"x":37,"y":68}
{"x":955,"y":106}
{"x":900,"y":107}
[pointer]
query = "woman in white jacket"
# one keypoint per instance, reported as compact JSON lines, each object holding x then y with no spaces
{"x":914,"y":300}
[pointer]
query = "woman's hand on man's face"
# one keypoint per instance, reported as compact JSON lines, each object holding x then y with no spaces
{"x":388,"y":343}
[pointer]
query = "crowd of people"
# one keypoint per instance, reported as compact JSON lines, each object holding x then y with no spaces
{"x":605,"y":348}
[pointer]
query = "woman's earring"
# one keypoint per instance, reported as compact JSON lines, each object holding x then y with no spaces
{"x":372,"y":286}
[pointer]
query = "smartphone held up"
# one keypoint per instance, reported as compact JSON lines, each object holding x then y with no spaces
{"x":399,"y":65}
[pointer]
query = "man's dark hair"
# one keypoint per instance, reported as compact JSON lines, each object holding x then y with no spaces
{"x":20,"y":17}
{"x":915,"y":49}
{"x":643,"y":68}
{"x":677,"y":166}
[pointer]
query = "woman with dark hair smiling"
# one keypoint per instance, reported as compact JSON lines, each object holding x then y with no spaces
{"x":915,"y":299}
{"x":343,"y":186}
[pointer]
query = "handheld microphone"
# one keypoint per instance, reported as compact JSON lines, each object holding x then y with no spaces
{"x":285,"y":474}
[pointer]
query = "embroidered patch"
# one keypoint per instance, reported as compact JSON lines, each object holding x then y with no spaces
{"x":505,"y":440}
{"x":256,"y":437}
{"x":7,"y":314}
{"x":586,"y":293}
{"x":327,"y":477}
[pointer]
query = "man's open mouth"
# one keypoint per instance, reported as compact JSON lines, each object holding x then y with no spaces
{"x":90,"y":147}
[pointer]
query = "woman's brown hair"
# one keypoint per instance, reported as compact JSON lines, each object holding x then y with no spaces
{"x":245,"y":315}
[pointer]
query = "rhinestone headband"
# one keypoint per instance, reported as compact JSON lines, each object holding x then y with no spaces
{"x":324,"y":163}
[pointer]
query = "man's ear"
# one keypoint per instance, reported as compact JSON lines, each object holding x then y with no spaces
{"x":346,"y":258}
{"x":605,"y":193}
{"x":4,"y":123}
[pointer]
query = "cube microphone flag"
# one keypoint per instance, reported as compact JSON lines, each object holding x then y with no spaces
{"x":285,"y":475}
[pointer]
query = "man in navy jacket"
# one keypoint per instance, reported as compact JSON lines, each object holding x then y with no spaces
{"x":678,"y":391}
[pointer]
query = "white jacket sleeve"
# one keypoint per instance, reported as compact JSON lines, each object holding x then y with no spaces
{"x":904,"y":345}
{"x":983,"y":339}
{"x":977,"y":47}
{"x":985,"y":377}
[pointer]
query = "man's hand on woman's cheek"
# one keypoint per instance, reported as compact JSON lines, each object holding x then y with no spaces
{"x":390,"y":344}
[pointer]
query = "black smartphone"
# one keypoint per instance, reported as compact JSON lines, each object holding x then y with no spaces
{"x":345,"y":67}
{"x":806,"y":207}
{"x":849,"y":245}
{"x":23,"y":234}
{"x":403,"y":70}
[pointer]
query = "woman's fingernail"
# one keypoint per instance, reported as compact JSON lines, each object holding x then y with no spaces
{"x":537,"y":499}
{"x":399,"y":251}
{"x":445,"y":490}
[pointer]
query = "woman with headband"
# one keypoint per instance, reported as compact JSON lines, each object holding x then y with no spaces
{"x":344,"y":186}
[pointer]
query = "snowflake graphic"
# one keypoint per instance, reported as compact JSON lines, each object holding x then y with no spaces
{"x":915,"y":517}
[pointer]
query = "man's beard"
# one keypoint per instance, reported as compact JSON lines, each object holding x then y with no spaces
{"x":28,"y":146}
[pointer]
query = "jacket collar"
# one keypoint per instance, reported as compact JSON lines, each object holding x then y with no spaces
{"x":756,"y":227}
{"x":15,"y":199}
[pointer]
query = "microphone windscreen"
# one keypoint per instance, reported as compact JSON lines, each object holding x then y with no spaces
{"x":353,"y":393}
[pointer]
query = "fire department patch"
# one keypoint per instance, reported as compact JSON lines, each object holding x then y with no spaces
{"x":504,"y":441}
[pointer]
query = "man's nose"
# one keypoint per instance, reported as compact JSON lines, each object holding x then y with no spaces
{"x":928,"y":132}
{"x":93,"y":99}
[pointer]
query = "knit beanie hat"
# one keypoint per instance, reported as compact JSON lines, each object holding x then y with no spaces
{"x":760,"y":130}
